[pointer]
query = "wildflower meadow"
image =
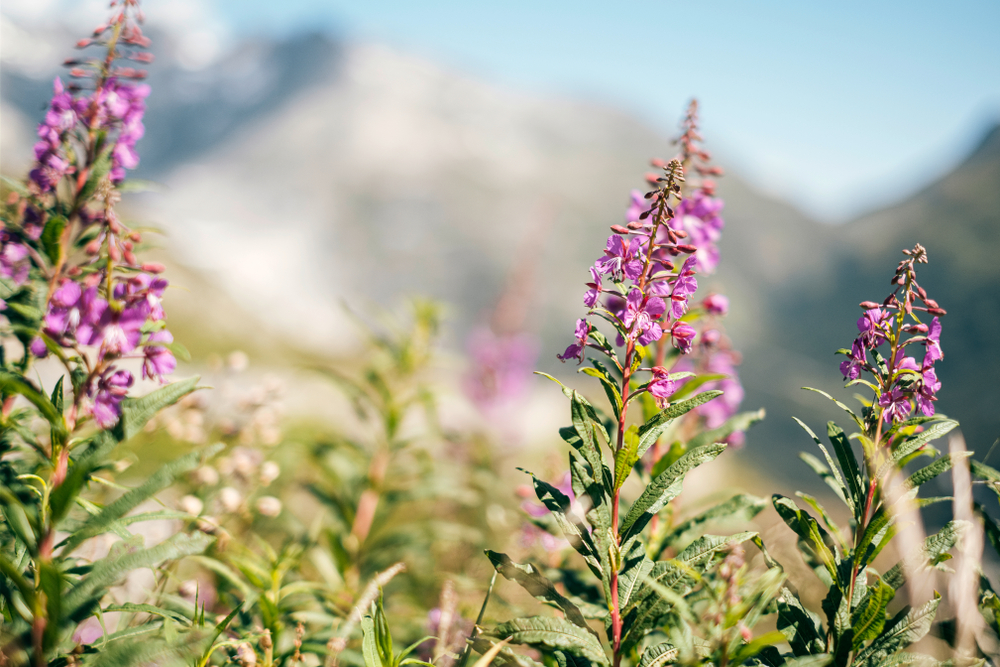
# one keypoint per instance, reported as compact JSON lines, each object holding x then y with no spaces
{"x":152,"y":517}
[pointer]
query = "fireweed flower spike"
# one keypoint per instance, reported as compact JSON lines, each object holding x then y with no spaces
{"x":901,"y":384}
{"x":102,"y":305}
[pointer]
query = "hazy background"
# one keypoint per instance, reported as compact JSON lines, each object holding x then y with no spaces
{"x":318,"y":152}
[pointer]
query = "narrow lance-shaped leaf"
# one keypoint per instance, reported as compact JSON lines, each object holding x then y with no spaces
{"x":550,"y":634}
{"x":934,"y":547}
{"x":110,"y":570}
{"x":903,"y":631}
{"x":651,"y":431}
{"x":808,"y":530}
{"x":802,"y":631}
{"x":537,"y":584}
{"x":665,"y":488}
{"x":156,"y":482}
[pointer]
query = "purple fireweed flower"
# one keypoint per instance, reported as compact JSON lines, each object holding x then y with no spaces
{"x":38,"y":348}
{"x":872,"y":326}
{"x":594,"y":293}
{"x":14,"y":263}
{"x":575,"y":351}
{"x":85,"y":316}
{"x":620,"y":259}
{"x":856,"y":360}
{"x":682,"y":335}
{"x":111,"y":388}
{"x":896,"y":405}
{"x":716,"y":304}
{"x":120,"y":330}
{"x":698,"y":215}
{"x":51,"y":163}
{"x":640,"y":316}
{"x":144,"y":291}
{"x":157,"y":360}
{"x":925,"y":395}
{"x":933,"y":342}
{"x":662,"y":387}
{"x":685,"y":285}
{"x":907,"y":364}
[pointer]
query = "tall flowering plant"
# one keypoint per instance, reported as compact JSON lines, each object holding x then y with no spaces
{"x":895,"y":428}
{"x":660,"y":341}
{"x":73,"y":289}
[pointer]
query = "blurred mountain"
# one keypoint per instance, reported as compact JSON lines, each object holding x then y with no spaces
{"x":957,"y":219}
{"x":304,"y":173}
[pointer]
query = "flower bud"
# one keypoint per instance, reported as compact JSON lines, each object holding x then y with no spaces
{"x":657,"y":163}
{"x":130,"y":258}
{"x":269,"y":472}
{"x":93,"y":247}
{"x":114,"y":253}
{"x":868,"y":305}
{"x":680,"y":233}
{"x":931,"y":303}
{"x":652,"y":178}
{"x":191,"y":504}
{"x":153,"y":267}
{"x":687,"y":248}
{"x":635,"y":224}
{"x":84,"y":43}
{"x":230,"y":499}
{"x":618,"y":229}
{"x":268,"y":506}
{"x":73,"y":271}
{"x":937,"y":311}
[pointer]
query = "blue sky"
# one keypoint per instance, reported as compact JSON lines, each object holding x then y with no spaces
{"x":838,"y":107}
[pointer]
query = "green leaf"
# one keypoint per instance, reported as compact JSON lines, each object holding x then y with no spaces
{"x":755,"y":646}
{"x":626,"y":457}
{"x":537,"y":584}
{"x":913,"y":443}
{"x":854,"y":500}
{"x":136,"y":412}
{"x":808,"y":531}
{"x":17,"y":518}
{"x":136,"y":608}
{"x":551,"y":634}
{"x":369,"y":643}
{"x":78,"y":602}
{"x":848,"y":463}
{"x":857,"y":420}
{"x":50,"y":583}
{"x":579,"y":537}
{"x":903,"y":631}
{"x":98,"y":170}
{"x":651,"y":431}
{"x":664,"y":488}
{"x":600,"y":372}
{"x":742,"y":507}
{"x":51,"y":238}
{"x":934,"y":547}
{"x":868,"y":619}
{"x":926,"y":474}
{"x":831,"y":525}
{"x":11,"y":383}
{"x":156,"y":482}
{"x":800,"y":627}
{"x":658,"y":655}
{"x":741,"y":422}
